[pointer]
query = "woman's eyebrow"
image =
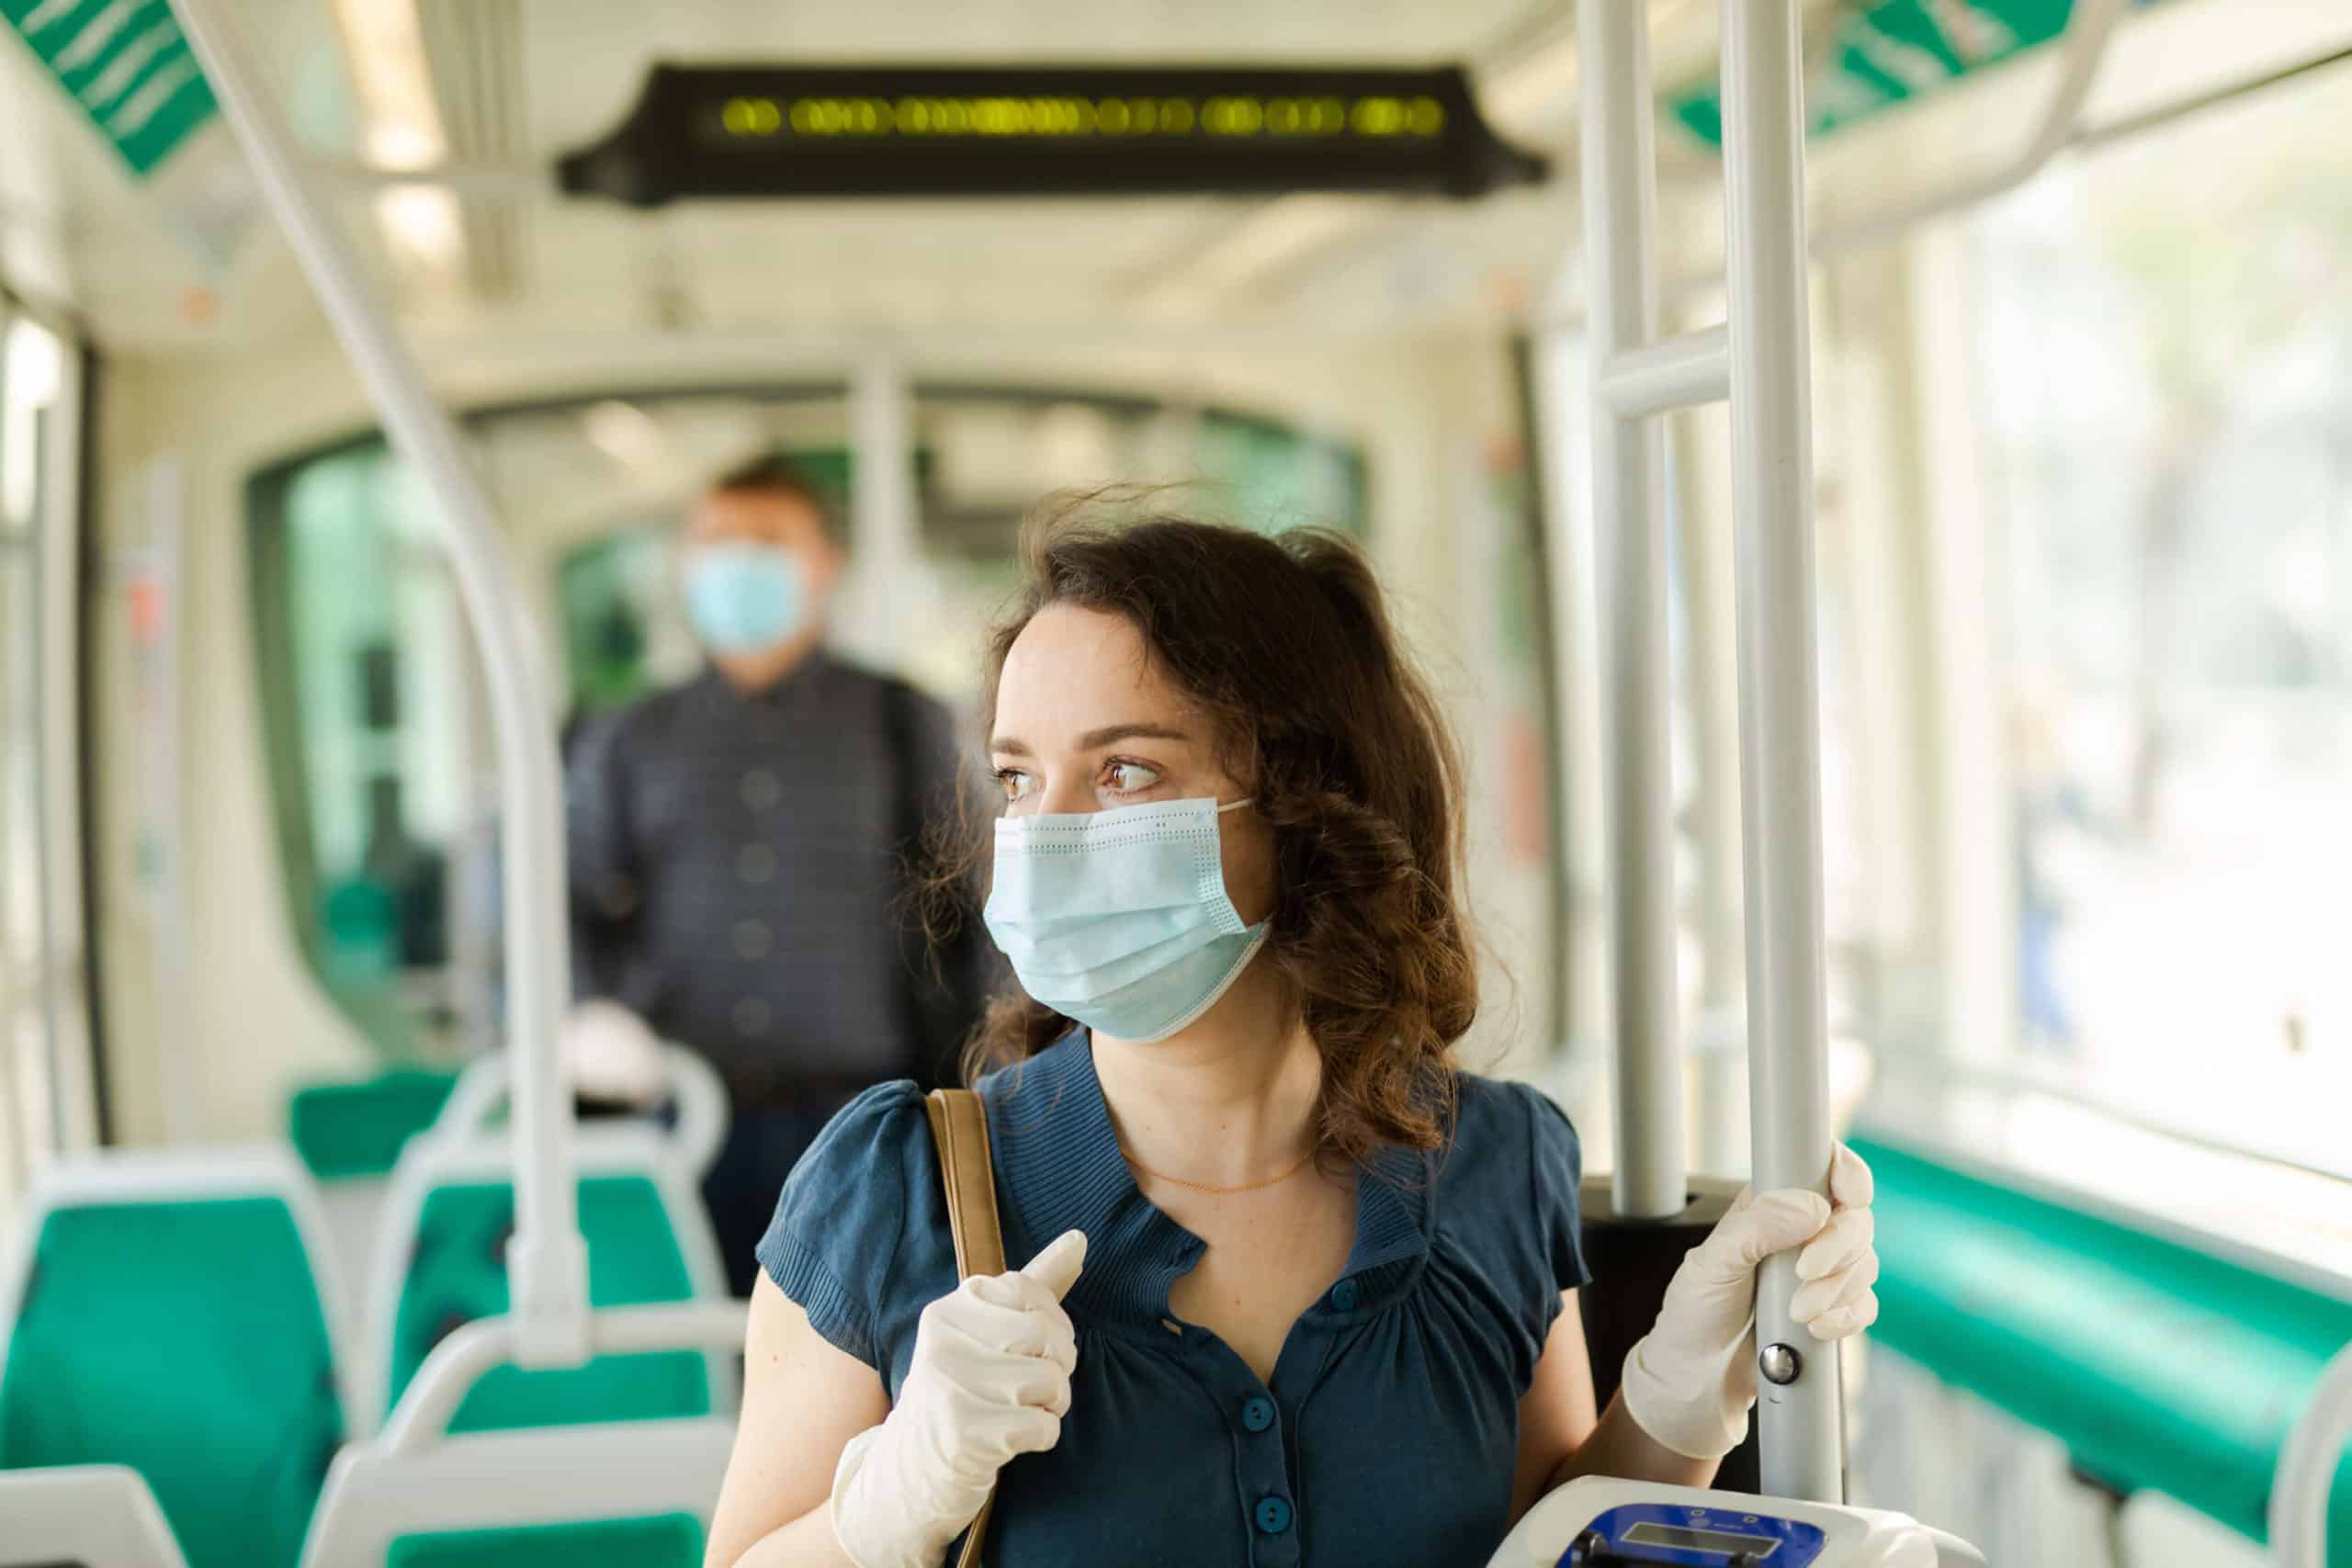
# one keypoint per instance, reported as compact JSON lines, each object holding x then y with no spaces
{"x":1111,"y":735}
{"x":1094,"y":739}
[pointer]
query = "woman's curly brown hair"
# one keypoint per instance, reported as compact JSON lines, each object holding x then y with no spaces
{"x":1287,"y":645}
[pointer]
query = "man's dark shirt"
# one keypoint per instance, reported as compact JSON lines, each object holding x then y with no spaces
{"x":741,"y":872}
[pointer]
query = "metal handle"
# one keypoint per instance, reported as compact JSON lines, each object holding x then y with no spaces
{"x":2307,"y":1466}
{"x":459,"y":1361}
{"x":1779,"y":727}
{"x":2089,"y":27}
{"x":695,"y":1088}
{"x":1651,"y":1180}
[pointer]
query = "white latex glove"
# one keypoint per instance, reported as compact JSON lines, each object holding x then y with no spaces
{"x":611,"y":1054}
{"x":990,"y":1380}
{"x":1689,"y":1382}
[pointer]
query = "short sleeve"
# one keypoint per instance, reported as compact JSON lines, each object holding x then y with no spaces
{"x":1556,"y":1165}
{"x":833,"y":1247}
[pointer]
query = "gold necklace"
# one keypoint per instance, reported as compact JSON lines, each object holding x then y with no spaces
{"x":1220,"y":1191}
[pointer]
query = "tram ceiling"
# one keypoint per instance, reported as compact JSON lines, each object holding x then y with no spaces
{"x":446,"y":121}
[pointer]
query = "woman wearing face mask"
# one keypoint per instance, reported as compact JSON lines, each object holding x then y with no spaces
{"x":1292,"y":1287}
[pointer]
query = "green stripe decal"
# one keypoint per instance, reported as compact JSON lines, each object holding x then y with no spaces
{"x":127,"y":67}
{"x":1888,"y":53}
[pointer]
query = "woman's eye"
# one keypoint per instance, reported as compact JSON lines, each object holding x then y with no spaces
{"x":1126,"y":778}
{"x":1017,"y":783}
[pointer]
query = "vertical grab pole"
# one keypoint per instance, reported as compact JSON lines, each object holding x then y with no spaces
{"x":1772,"y":451}
{"x":547,"y":1263}
{"x":1628,"y":480}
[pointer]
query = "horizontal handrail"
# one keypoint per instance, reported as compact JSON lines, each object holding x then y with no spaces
{"x":1681,"y":372}
{"x":2307,"y":1467}
{"x":462,"y":1360}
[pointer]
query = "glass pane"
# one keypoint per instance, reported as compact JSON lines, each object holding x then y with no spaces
{"x":381,"y":680}
{"x":594,"y":491}
{"x":1278,"y":476}
{"x":2169,"y":400}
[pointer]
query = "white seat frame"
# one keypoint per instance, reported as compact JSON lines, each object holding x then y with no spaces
{"x":462,"y":1153}
{"x":694,"y":1088}
{"x":95,"y":1516}
{"x":415,"y":1478}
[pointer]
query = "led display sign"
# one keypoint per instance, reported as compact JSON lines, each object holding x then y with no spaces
{"x":753,"y":131}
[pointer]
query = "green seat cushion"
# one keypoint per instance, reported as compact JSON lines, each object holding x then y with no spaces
{"x":458,"y":1273}
{"x":2159,"y":1366}
{"x":186,"y":1340}
{"x":344,"y":1131}
{"x":662,"y":1540}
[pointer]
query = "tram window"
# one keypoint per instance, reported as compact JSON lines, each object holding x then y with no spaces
{"x":377,"y":744}
{"x":2165,"y":386}
{"x":1277,"y":475}
{"x":607,"y":591}
{"x":997,"y":452}
{"x":366,"y":686}
{"x":988,"y":455}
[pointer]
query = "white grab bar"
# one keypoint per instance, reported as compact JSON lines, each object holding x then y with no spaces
{"x":2307,"y":1466}
{"x":2088,"y":28}
{"x":696,"y":1093}
{"x":547,"y":1262}
{"x":455,"y":1365}
{"x":1629,"y":528}
{"x":1761,"y":361}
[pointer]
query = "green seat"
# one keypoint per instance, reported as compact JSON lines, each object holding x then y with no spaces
{"x":185,"y":1340}
{"x":458,"y":1273}
{"x":2158,"y":1366}
{"x":351,"y":1130}
{"x":666,"y":1540}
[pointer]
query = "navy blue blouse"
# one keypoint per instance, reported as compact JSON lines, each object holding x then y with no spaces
{"x":1389,"y":1431}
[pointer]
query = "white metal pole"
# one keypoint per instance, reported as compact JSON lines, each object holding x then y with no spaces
{"x":1628,"y":479}
{"x":547,"y":1263}
{"x":1771,"y":440}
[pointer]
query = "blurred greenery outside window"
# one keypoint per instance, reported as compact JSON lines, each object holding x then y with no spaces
{"x":2165,"y":381}
{"x":379,"y":761}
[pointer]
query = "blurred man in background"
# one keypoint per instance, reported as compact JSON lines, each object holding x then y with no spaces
{"x":741,"y":849}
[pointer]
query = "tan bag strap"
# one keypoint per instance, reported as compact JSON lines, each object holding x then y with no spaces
{"x":959,"y":1125}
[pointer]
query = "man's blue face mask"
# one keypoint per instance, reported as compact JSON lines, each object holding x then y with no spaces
{"x":1119,"y":918}
{"x":745,"y":598}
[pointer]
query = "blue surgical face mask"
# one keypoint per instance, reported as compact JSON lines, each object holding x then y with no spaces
{"x":1119,"y":918}
{"x":743,"y":598}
